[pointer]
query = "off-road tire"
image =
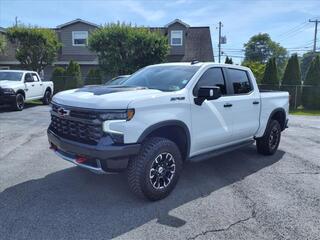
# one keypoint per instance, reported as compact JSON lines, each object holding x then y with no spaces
{"x":268,"y":145}
{"x":139,"y":168}
{"x":46,"y":97}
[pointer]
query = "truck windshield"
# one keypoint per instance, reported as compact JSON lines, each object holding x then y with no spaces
{"x":164,"y":78}
{"x":10,"y":76}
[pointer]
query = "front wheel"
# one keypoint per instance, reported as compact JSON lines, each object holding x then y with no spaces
{"x":268,"y":144}
{"x":155,"y":171}
{"x":19,"y":103}
{"x":47,"y":97}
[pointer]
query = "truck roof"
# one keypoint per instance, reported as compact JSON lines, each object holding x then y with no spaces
{"x":16,"y":70}
{"x":202,"y":64}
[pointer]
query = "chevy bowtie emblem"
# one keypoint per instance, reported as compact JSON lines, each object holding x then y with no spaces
{"x":63,"y":112}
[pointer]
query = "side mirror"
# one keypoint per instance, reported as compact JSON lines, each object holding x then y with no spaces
{"x":207,"y":93}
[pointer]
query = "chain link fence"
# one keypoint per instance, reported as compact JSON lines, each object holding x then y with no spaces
{"x":301,"y":96}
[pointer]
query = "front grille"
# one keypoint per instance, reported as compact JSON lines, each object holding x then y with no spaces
{"x":79,"y":126}
{"x":77,"y":131}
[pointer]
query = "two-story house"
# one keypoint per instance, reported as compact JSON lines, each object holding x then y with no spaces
{"x":186,"y":44}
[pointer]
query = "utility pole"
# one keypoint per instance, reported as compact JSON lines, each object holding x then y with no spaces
{"x":220,"y":25}
{"x":16,"y":21}
{"x":315,"y":34}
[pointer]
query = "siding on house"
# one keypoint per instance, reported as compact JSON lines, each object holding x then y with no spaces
{"x":196,"y":45}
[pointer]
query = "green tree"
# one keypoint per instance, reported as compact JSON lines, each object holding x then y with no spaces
{"x":271,"y":75}
{"x":228,"y":60}
{"x":93,"y":77}
{"x":73,"y":76}
{"x":257,"y":68}
{"x":123,"y":49}
{"x":311,"y":92}
{"x":3,"y":43}
{"x":36,"y":47}
{"x":306,"y":61}
{"x":292,"y":74}
{"x":58,"y":78}
{"x":260,"y":48}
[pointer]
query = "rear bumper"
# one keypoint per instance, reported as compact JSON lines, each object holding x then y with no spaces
{"x":101,"y":158}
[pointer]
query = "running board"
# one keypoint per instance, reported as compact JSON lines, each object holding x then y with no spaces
{"x":217,"y":152}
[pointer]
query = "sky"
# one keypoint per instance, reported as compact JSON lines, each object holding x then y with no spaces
{"x":287,"y":22}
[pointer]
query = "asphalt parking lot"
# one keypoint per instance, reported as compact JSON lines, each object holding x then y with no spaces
{"x":239,"y":195}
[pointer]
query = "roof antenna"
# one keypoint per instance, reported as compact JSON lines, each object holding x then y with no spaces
{"x":194,"y":61}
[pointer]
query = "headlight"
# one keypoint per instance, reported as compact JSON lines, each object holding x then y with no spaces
{"x":8,"y":91}
{"x":118,"y":115}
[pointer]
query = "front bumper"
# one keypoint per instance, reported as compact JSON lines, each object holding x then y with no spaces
{"x":100,"y":158}
{"x":7,"y":99}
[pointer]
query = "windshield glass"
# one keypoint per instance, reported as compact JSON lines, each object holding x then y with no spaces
{"x":164,"y":78}
{"x":10,"y":76}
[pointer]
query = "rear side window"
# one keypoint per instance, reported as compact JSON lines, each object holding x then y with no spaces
{"x":239,"y":81}
{"x":35,"y":77}
{"x":212,"y":77}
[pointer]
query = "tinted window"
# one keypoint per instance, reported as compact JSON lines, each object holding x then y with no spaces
{"x":212,"y":77}
{"x":239,"y":81}
{"x":28,"y":77}
{"x":164,"y":78}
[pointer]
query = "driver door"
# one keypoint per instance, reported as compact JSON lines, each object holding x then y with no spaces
{"x":30,"y":86}
{"x":212,"y":122}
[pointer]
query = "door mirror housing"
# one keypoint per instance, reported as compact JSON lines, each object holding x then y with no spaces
{"x":207,"y":93}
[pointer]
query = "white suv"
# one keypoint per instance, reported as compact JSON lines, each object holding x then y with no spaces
{"x":161,"y":117}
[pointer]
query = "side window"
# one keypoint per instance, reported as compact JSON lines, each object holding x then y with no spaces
{"x":35,"y":77}
{"x":28,"y":78}
{"x":212,"y":77}
{"x":239,"y":81}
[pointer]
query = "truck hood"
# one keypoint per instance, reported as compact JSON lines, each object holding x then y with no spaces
{"x":10,"y":84}
{"x":102,"y":97}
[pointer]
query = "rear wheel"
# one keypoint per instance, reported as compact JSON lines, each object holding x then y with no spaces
{"x":268,"y":144}
{"x":47,"y":97}
{"x":155,"y":171}
{"x":19,"y":103}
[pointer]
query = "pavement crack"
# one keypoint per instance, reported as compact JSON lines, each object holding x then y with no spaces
{"x":253,"y":215}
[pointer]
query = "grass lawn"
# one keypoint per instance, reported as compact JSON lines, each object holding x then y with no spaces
{"x":306,"y":112}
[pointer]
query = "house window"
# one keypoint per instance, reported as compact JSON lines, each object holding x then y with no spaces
{"x":79,"y":38}
{"x":176,"y":38}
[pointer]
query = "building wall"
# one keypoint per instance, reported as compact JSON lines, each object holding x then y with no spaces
{"x":177,"y":50}
{"x":65,"y":36}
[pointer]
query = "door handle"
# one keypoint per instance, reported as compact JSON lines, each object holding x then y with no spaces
{"x":227,"y":105}
{"x":256,"y":102}
{"x":41,"y":84}
{"x":32,"y":85}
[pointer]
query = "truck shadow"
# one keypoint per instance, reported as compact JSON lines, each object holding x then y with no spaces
{"x":74,"y":203}
{"x":8,"y":108}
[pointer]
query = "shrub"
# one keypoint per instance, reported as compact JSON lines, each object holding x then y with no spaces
{"x":93,"y":77}
{"x":292,"y":74}
{"x":271,"y":75}
{"x":58,"y":78}
{"x":73,"y":76}
{"x":311,"y":92}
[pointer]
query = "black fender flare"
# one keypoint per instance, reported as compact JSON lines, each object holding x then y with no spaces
{"x":167,"y":123}
{"x":272,"y":114}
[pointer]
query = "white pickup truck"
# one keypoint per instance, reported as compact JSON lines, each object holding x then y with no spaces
{"x":163,"y":116}
{"x":17,"y":87}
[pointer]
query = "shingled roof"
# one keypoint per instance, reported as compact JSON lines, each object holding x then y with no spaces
{"x":198,"y":44}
